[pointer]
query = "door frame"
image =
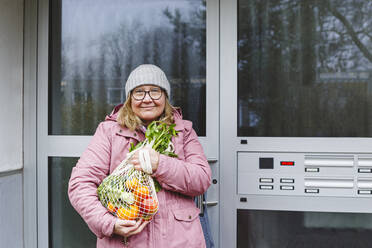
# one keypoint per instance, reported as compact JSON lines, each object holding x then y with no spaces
{"x":228,"y":121}
{"x":30,"y":124}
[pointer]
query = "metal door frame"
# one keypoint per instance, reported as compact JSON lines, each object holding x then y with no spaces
{"x":30,"y":125}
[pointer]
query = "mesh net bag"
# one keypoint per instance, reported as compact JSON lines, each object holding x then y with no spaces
{"x":130,"y":194}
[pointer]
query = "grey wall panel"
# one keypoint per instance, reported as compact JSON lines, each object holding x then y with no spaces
{"x":11,"y":84}
{"x":11,"y":210}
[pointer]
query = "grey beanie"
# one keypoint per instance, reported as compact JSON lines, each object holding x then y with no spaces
{"x":147,"y":74}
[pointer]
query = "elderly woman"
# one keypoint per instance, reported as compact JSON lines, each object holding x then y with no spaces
{"x":176,"y":224}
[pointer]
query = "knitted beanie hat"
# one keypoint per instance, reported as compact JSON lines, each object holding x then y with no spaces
{"x":147,"y":74}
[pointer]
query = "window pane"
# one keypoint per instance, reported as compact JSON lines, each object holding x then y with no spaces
{"x":262,"y":229}
{"x":94,"y":45}
{"x":64,"y":222}
{"x":304,"y":68}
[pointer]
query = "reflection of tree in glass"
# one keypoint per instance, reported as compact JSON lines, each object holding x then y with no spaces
{"x":301,"y":66}
{"x":84,"y":100}
{"x":188,"y":84}
{"x":95,"y":82}
{"x":347,"y":29}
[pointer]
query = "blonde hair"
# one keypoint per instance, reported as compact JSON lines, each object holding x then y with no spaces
{"x":127,"y":118}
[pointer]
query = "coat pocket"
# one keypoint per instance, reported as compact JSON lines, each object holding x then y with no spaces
{"x":188,"y":215}
{"x":186,"y":228}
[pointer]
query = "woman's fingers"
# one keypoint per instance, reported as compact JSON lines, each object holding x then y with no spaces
{"x":131,"y":229}
{"x":125,"y":228}
{"x":139,"y":228}
{"x":134,"y":160}
{"x":137,"y":166}
{"x":154,"y":159}
{"x":154,"y":156}
{"x":126,"y":222}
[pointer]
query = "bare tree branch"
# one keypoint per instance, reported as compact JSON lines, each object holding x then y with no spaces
{"x":350,"y":30}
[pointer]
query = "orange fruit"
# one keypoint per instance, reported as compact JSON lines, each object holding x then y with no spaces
{"x":141,"y":193}
{"x":131,"y":213}
{"x":149,"y":206}
{"x":111,"y":207}
{"x":132,"y":183}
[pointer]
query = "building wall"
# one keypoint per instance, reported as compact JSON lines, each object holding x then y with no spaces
{"x":11,"y":210}
{"x":11,"y":123}
{"x":11,"y":80}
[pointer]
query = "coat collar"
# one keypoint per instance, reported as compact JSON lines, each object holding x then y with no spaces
{"x":136,"y":135}
{"x":114,"y":113}
{"x":178,"y":120}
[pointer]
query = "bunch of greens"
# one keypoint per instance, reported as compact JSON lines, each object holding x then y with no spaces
{"x":159,"y":136}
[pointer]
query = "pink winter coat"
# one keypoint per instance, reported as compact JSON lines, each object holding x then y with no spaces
{"x":176,"y":224}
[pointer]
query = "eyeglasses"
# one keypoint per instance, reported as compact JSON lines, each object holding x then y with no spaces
{"x":140,"y":94}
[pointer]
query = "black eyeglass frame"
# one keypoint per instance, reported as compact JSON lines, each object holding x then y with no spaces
{"x":147,"y":92}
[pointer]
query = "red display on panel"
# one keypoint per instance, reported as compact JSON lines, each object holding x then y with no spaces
{"x":287,"y":163}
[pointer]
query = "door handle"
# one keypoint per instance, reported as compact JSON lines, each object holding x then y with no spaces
{"x":212,"y":160}
{"x":200,"y":203}
{"x":210,"y":203}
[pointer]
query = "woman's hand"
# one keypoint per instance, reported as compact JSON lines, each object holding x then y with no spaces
{"x":126,"y":228}
{"x":154,"y":158}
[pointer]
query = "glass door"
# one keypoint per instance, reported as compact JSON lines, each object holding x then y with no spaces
{"x":86,"y":52}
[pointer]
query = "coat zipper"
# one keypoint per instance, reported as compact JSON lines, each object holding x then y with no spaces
{"x":125,"y":241}
{"x":152,"y":234}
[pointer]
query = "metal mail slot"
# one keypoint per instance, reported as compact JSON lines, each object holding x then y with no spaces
{"x":329,"y":161}
{"x":364,"y":183}
{"x":365,"y":162}
{"x":329,"y":183}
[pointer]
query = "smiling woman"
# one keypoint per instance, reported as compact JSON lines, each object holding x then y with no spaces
{"x":176,"y":224}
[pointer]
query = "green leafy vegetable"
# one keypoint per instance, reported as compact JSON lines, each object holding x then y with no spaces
{"x":159,"y":136}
